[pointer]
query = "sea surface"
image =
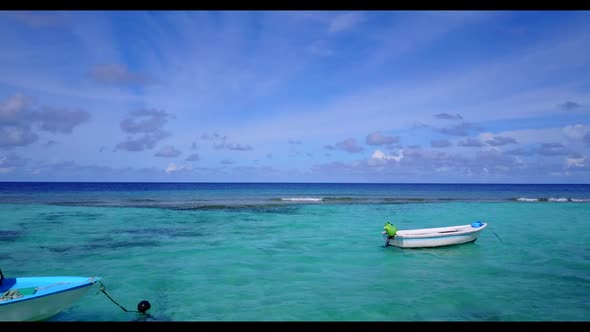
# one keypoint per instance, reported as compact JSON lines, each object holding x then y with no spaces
{"x":303,"y":252}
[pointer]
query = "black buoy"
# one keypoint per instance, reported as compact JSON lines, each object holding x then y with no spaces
{"x":143,"y":306}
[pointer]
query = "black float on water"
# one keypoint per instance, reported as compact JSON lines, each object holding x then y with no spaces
{"x":143,"y":306}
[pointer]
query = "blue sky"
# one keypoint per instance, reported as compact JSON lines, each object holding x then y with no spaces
{"x":295,"y":96}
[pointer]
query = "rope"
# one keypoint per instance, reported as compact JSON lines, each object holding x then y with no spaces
{"x":102,"y":288}
{"x":497,"y":236}
{"x":144,"y":314}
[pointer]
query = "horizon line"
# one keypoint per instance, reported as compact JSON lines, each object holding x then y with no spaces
{"x":279,"y":182}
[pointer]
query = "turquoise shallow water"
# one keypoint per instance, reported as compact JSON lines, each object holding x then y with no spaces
{"x":243,"y":259}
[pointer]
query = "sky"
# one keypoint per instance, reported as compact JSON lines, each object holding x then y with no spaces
{"x":295,"y":96}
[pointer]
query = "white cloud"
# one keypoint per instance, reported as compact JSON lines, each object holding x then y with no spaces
{"x":173,"y":168}
{"x":575,"y":161}
{"x":379,"y":155}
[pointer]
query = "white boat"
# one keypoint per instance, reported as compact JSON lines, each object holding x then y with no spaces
{"x":435,"y":237}
{"x":40,"y":298}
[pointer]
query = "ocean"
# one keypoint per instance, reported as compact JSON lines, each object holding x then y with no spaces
{"x":303,"y":251}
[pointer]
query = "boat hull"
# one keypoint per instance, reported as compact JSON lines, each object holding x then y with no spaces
{"x":436,"y":237}
{"x":47,"y":301}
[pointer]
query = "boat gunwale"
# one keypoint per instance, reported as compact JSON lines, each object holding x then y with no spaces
{"x":439,"y":231}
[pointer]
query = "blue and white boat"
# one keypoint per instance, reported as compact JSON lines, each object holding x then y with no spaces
{"x":39,"y":298}
{"x":434,"y":237}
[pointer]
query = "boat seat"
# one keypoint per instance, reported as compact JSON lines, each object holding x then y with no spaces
{"x":12,"y":294}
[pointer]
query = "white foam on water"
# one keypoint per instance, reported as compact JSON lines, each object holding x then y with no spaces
{"x":561,"y":199}
{"x":302,"y":199}
{"x":524,"y":199}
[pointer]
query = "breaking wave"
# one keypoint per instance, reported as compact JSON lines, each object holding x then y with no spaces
{"x":550,"y":199}
{"x":302,"y":199}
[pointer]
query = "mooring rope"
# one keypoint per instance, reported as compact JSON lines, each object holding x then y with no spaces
{"x":142,"y":306}
{"x":102,"y":288}
{"x":497,"y":236}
